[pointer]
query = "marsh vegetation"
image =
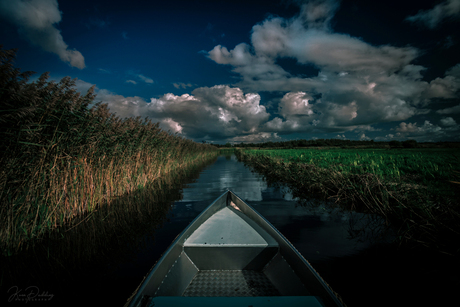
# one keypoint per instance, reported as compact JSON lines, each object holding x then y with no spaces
{"x":64,"y":154}
{"x":415,"y":190}
{"x":96,"y":246}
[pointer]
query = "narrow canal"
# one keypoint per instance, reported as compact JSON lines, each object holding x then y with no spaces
{"x":102,"y":260}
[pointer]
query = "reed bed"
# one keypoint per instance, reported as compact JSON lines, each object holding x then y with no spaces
{"x":64,"y":155}
{"x":416,"y":191}
{"x":94,"y":243}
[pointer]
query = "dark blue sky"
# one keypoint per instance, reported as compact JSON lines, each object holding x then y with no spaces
{"x":250,"y":71}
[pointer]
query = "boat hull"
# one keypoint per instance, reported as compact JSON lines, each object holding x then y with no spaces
{"x":231,"y":251}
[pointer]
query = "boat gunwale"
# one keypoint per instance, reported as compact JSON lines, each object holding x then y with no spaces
{"x":286,"y":250}
{"x":290,"y":253}
{"x":178,"y":241}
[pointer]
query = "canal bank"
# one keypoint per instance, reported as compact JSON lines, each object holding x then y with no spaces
{"x":346,"y":248}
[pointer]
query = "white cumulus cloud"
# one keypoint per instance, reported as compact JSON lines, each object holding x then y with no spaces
{"x":412,"y":129}
{"x":36,"y":20}
{"x":358,"y":83}
{"x":219,"y":112}
{"x":295,"y":103}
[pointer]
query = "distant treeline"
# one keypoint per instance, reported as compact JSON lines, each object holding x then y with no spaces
{"x":341,"y":143}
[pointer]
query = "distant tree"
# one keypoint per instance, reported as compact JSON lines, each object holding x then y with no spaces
{"x":395,"y":144}
{"x":320,"y":143}
{"x":410,"y":144}
{"x":303,"y":143}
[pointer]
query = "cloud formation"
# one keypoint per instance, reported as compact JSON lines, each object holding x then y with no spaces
{"x":448,"y":122}
{"x":182,"y":85}
{"x":358,"y":84}
{"x":356,"y":89}
{"x":452,"y":110}
{"x":448,"y":9}
{"x":318,"y":13}
{"x":145,"y":79}
{"x":218,"y":112}
{"x":36,"y":21}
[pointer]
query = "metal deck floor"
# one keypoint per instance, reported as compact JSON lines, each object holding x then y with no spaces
{"x":230,"y":283}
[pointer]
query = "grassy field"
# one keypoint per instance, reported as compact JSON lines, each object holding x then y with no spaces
{"x":64,"y":155}
{"x":416,"y":190}
{"x":424,"y":166}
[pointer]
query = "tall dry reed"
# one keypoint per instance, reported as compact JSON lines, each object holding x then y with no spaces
{"x":64,"y":155}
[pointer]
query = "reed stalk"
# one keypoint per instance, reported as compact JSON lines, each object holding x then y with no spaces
{"x":424,"y":211}
{"x":64,"y":155}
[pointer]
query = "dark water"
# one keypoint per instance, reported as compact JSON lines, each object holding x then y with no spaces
{"x":104,"y":261}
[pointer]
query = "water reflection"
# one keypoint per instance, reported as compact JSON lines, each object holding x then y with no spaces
{"x":104,"y":258}
{"x":317,"y":230}
{"x":98,"y":258}
{"x":226,"y":173}
{"x":337,"y":243}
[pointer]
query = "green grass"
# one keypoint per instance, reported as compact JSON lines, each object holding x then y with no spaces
{"x":429,"y":167}
{"x":416,"y":190}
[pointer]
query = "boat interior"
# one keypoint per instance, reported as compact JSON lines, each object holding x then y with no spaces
{"x":227,"y":254}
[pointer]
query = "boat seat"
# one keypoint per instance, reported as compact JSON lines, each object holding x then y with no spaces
{"x":229,"y":240}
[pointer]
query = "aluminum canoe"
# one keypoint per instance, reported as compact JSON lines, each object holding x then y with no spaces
{"x":232,"y":256}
